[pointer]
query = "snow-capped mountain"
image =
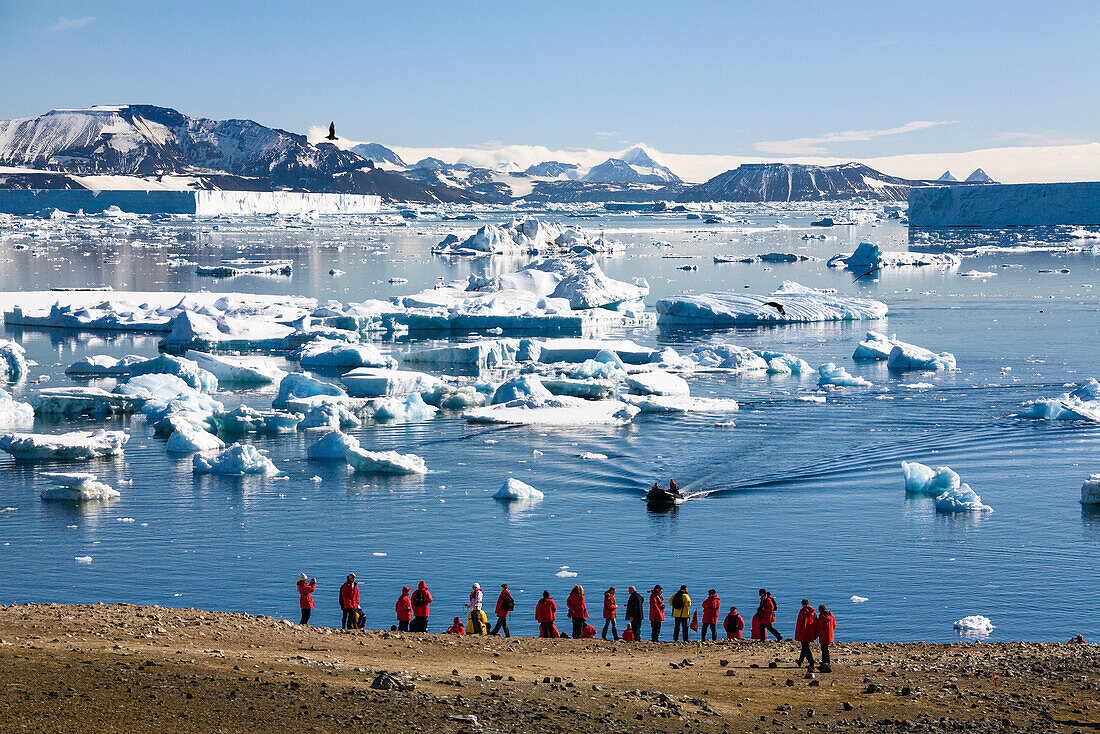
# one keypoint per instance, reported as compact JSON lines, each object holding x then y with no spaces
{"x":947,"y":177}
{"x":554,"y":169}
{"x":979,"y":176}
{"x":379,"y":154}
{"x":799,"y":182}
{"x":150,"y":141}
{"x":635,"y":166}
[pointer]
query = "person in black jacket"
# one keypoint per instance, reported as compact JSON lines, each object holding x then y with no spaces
{"x":634,"y":614}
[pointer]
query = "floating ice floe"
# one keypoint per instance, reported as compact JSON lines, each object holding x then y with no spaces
{"x":70,"y":402}
{"x":298,"y":385}
{"x":1082,"y":404}
{"x":858,"y":599}
{"x":244,"y":419}
{"x":977,"y":274}
{"x":577,"y":279}
{"x":961,"y":499}
{"x":238,"y":371}
{"x":199,"y":331}
{"x":520,"y":236}
{"x":871,"y":257}
{"x":680,"y":404}
{"x":514,"y":489}
{"x":13,"y":413}
{"x":329,"y":415}
{"x":237,"y":460}
{"x":187,"y":370}
{"x":404,"y":410}
{"x":13,"y":360}
{"x":378,"y":382}
{"x":188,"y":438}
{"x":830,"y":374}
{"x":565,"y":573}
{"x":524,"y":386}
{"x":76,"y":487}
{"x":482,"y":353}
{"x":901,"y":356}
{"x":102,"y":365}
{"x":922,"y":479}
{"x":781,"y":363}
{"x":333,"y":354}
{"x":974,"y":625}
{"x":657,"y":382}
{"x":726,"y":358}
{"x":75,"y":446}
{"x":1090,"y":490}
{"x":333,"y":445}
{"x":385,"y":462}
{"x":587,"y":388}
{"x":245,"y":266}
{"x":791,"y":303}
{"x":554,"y":411}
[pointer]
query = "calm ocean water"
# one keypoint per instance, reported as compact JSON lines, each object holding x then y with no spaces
{"x":804,"y":499}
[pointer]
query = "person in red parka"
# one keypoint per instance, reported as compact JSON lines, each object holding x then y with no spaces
{"x":628,"y":635}
{"x":656,"y":611}
{"x":305,"y":597}
{"x":711,"y":605}
{"x":588,"y":633}
{"x":457,"y":628}
{"x":505,"y":604}
{"x":609,"y":609}
{"x":733,"y":624}
{"x":546,"y":611}
{"x":805,"y":631}
{"x":421,"y":607}
{"x":826,"y":630}
{"x":757,"y":630}
{"x":349,"y":602}
{"x":578,"y":611}
{"x":404,"y":609}
{"x":766,"y":610}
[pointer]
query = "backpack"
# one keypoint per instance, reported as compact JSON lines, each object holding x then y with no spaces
{"x":419,"y":598}
{"x":678,"y":600}
{"x":359,"y":620}
{"x":509,"y":603}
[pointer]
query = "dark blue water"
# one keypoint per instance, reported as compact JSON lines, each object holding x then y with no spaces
{"x":804,"y":499}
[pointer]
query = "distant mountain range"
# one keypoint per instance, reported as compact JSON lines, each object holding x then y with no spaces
{"x":159,"y":147}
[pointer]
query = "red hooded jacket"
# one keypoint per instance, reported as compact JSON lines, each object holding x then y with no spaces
{"x":457,"y":628}
{"x":609,"y":606}
{"x":349,"y":596}
{"x":733,"y":624}
{"x":305,"y":594}
{"x":546,"y":610}
{"x":711,"y":605}
{"x":656,"y":608}
{"x":421,"y":595}
{"x":588,"y":633}
{"x":805,"y":630}
{"x":501,"y":610}
{"x":757,"y":627}
{"x":766,"y":610}
{"x":577,"y":608}
{"x":826,"y":628}
{"x":404,"y":607}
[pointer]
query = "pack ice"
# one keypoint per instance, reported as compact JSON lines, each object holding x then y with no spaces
{"x":237,"y":460}
{"x":790,"y":303}
{"x":75,"y":446}
{"x":76,"y":487}
{"x":13,"y":360}
{"x":901,"y":356}
{"x":1082,"y":404}
{"x":869,"y":257}
{"x":332,"y":354}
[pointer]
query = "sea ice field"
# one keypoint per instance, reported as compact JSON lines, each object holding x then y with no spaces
{"x":583,"y":355}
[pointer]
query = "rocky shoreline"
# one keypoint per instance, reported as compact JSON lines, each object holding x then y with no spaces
{"x":105,"y":668}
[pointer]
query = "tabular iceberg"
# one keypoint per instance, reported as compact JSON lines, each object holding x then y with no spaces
{"x":185,"y":369}
{"x":385,"y":462}
{"x":524,"y":386}
{"x":76,"y":487}
{"x":554,"y":411}
{"x":329,"y":415}
{"x":237,"y":371}
{"x":70,"y":402}
{"x":75,"y":446}
{"x":298,"y":385}
{"x":1090,"y":490}
{"x":791,"y":303}
{"x":1082,"y":404}
{"x":377,"y":382}
{"x":680,"y":404}
{"x":244,"y":419}
{"x":407,"y":410}
{"x":577,"y":279}
{"x":332,"y":354}
{"x":657,"y":382}
{"x":237,"y":460}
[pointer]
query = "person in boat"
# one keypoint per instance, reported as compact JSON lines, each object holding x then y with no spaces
{"x":672,"y":488}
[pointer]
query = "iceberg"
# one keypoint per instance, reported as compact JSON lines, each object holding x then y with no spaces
{"x":244,"y":266}
{"x":480,"y":354}
{"x":1082,"y":404}
{"x":579,"y":388}
{"x":830,"y":374}
{"x":13,"y":413}
{"x":70,"y":402}
{"x":199,"y":331}
{"x":329,"y":415}
{"x":237,"y":460}
{"x":333,"y":354}
{"x":680,"y":404}
{"x":514,"y":489}
{"x":524,"y":386}
{"x":333,"y":445}
{"x":576,"y":350}
{"x":577,"y":279}
{"x":13,"y":360}
{"x":385,"y":462}
{"x":726,"y":358}
{"x":791,"y":303}
{"x":520,"y":236}
{"x":871,"y":257}
{"x":657,"y":382}
{"x":101,"y":365}
{"x":901,"y":356}
{"x":188,"y":438}
{"x":975,"y":625}
{"x":407,"y":410}
{"x":298,"y":385}
{"x":781,"y":363}
{"x":961,"y":499}
{"x":237,"y":371}
{"x":1090,"y":490}
{"x":554,"y":411}
{"x":185,"y":369}
{"x":922,"y":479}
{"x":379,"y":382}
{"x":249,"y":420}
{"x":76,"y":487}
{"x":460,"y":398}
{"x":75,"y":446}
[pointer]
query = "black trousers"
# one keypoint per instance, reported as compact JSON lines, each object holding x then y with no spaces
{"x":546,"y":629}
{"x":502,"y":624}
{"x":305,"y":616}
{"x":578,"y":628}
{"x":636,"y":628}
{"x":656,"y":625}
{"x":419,"y":624}
{"x":806,"y":654}
{"x":346,"y":618}
{"x":402,"y":625}
{"x":713,"y":631}
{"x":765,"y":629}
{"x":680,"y":623}
{"x":614,"y":632}
{"x":824,"y":653}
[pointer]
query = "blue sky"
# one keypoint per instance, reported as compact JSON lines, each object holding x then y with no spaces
{"x":738,"y":78}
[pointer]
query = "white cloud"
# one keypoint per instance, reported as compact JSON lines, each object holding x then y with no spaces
{"x":70,"y":24}
{"x":605,"y":134}
{"x":1046,"y":138}
{"x":814,"y":146}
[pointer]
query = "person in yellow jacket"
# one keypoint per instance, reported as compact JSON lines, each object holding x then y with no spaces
{"x":478,"y":626}
{"x":681,"y":610}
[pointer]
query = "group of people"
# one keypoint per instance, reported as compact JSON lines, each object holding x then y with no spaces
{"x":414,"y":607}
